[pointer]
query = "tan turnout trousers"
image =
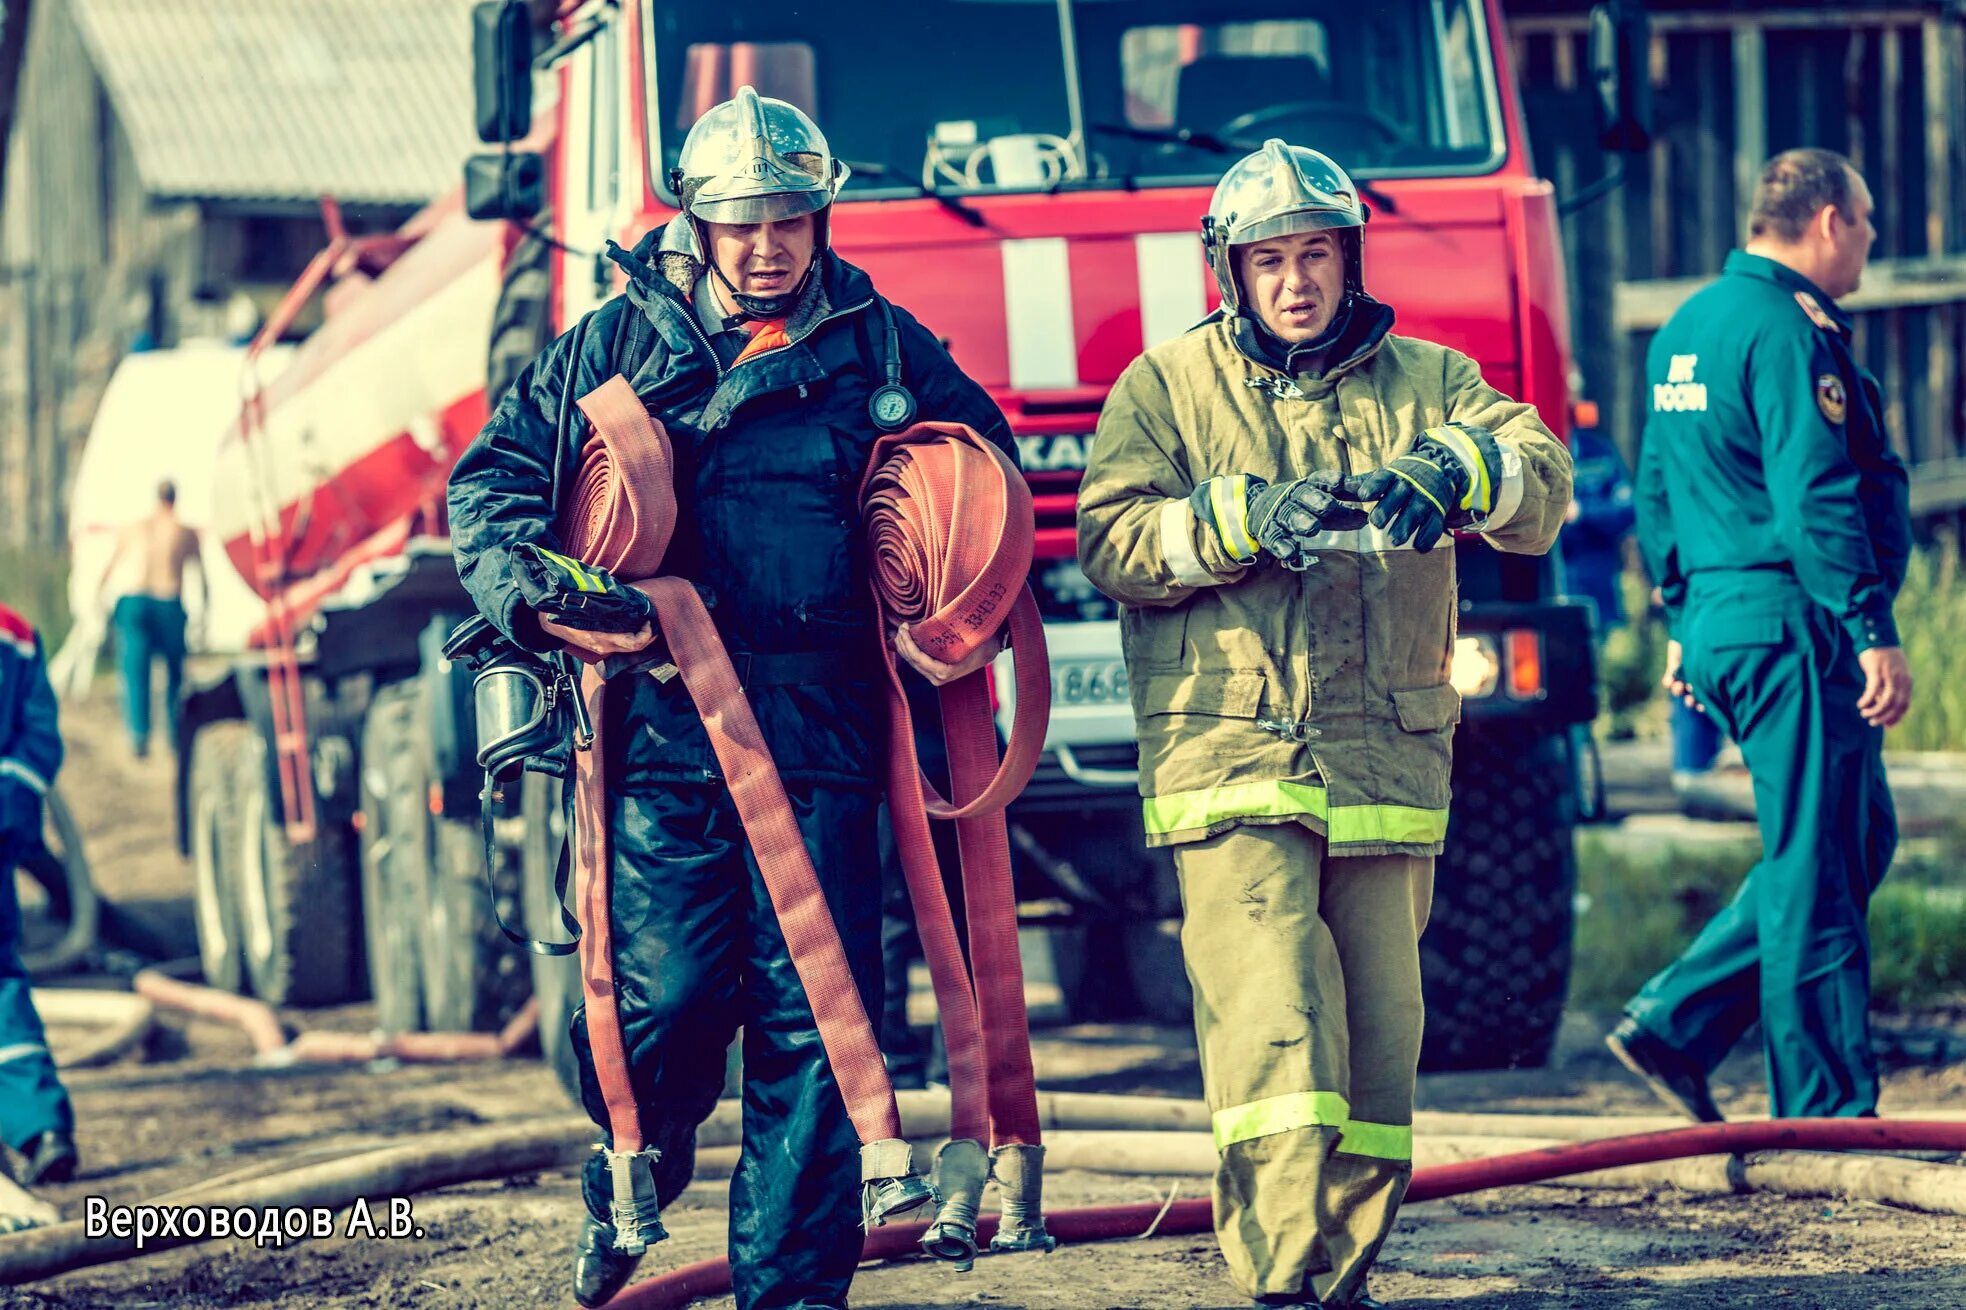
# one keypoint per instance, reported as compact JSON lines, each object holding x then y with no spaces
{"x":1306,"y":973}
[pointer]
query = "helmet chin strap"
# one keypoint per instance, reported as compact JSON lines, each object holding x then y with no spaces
{"x":759,"y":308}
{"x":755,"y":308}
{"x":1322,"y":341}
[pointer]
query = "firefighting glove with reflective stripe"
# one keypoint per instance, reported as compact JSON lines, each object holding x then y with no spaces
{"x":578,"y":595}
{"x":1248,"y":514}
{"x":1448,"y":480}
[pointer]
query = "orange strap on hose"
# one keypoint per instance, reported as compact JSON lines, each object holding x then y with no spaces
{"x":950,"y":531}
{"x":621,"y":516}
{"x":928,"y":488}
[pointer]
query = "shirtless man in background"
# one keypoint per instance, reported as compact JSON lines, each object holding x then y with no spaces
{"x":150,"y":620}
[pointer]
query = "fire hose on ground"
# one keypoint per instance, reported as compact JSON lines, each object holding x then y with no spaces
{"x":1145,"y":1136}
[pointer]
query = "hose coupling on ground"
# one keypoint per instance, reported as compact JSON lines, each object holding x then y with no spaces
{"x":889,"y":1185}
{"x":1019,"y":1171}
{"x":632,"y":1207}
{"x":961,"y":1170}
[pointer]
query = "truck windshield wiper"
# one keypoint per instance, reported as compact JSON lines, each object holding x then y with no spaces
{"x":1219,"y":145}
{"x":888,"y":176}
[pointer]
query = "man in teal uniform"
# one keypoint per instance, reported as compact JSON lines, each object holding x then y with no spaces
{"x":1775,"y":516}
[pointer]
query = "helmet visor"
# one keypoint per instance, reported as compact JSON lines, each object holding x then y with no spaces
{"x":1293,"y":222}
{"x":769,"y":207}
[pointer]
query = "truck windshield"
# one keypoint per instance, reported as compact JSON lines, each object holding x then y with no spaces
{"x":972,"y":95}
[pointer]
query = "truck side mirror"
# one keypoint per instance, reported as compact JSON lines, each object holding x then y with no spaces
{"x":501,"y":69}
{"x":508,"y":185}
{"x":1620,"y":67}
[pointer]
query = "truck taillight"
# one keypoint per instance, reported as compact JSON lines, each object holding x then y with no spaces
{"x":1525,"y":662}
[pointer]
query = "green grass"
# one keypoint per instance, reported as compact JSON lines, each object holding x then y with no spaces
{"x":35,"y":582}
{"x":1931,"y":613}
{"x":1641,"y":909}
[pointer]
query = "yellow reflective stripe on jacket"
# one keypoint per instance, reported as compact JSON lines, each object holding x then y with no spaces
{"x":1481,"y":491}
{"x":1186,"y":811}
{"x":1380,"y":1141}
{"x":581,"y":578}
{"x":1278,"y":1114}
{"x":1228,"y":503}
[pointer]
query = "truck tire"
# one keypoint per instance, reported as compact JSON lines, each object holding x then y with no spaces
{"x":216,"y":850}
{"x":395,"y":850}
{"x":520,"y":322}
{"x":299,"y":910}
{"x":1495,"y":958}
{"x":555,"y":978}
{"x":473,"y":978}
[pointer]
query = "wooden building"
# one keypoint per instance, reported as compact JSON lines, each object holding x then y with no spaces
{"x":1732,"y":85}
{"x":166,"y":156}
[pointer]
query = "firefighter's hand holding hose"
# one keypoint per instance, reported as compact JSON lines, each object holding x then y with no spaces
{"x":943,"y":674}
{"x":583,"y":605}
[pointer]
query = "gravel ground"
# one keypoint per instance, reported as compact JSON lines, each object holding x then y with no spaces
{"x":190,"y":1108}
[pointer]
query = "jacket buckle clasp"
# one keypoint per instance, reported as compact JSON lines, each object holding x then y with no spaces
{"x":1297,"y":730}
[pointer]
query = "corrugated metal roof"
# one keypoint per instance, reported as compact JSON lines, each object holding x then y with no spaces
{"x":365,"y":100}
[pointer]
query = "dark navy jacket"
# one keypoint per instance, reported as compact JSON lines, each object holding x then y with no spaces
{"x":30,"y":733}
{"x":769,"y":458}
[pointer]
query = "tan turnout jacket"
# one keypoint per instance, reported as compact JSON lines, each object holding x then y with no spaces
{"x":1266,"y":696}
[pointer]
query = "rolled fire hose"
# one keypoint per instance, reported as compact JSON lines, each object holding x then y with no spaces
{"x":84,"y":907}
{"x":948,"y":522}
{"x":958,"y":587}
{"x":469,"y":1155}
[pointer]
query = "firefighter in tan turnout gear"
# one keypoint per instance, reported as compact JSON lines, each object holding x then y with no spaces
{"x":1264,"y":498}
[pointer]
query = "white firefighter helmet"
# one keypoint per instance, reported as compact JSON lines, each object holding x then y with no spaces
{"x":752,"y":159}
{"x":1281,"y":190}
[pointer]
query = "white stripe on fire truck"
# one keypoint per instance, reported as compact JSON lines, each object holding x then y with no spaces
{"x":1172,"y":296}
{"x":1037,"y":295}
{"x":407,"y":372}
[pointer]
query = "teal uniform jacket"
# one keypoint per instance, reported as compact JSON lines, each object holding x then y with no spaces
{"x":1775,"y":517}
{"x":1765,"y":449}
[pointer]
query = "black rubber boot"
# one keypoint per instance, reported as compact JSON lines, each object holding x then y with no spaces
{"x":1673,"y":1078}
{"x":49,"y":1158}
{"x":599,"y":1271}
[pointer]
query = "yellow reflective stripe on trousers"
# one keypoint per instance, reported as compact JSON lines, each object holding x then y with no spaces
{"x":1278,"y":1114}
{"x":1188,"y":811}
{"x":1380,"y":1141}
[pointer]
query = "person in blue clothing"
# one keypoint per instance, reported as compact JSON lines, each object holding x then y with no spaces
{"x":1601,"y":516}
{"x":36,"y":1119}
{"x":1776,"y":518}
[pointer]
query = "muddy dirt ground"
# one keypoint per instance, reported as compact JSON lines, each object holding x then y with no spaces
{"x":190,"y":1108}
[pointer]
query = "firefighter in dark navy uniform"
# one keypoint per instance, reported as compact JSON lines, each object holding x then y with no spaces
{"x":763,"y":354}
{"x":1775,"y":516}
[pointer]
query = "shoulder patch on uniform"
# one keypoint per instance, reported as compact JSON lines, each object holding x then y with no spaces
{"x":1817,"y":314}
{"x":1830,"y":398}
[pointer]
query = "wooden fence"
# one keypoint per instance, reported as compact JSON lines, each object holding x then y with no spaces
{"x":1882,"y":85}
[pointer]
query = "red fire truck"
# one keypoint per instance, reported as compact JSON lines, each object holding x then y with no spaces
{"x":1027,"y":178}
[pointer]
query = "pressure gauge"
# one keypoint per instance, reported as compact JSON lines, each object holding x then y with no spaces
{"x":892,"y":407}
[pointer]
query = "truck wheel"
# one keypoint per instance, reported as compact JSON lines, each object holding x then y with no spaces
{"x":1495,"y":958}
{"x":555,"y":978}
{"x":395,"y":849}
{"x":520,"y":323}
{"x":216,"y":850}
{"x":473,"y":979}
{"x":298,"y":907}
